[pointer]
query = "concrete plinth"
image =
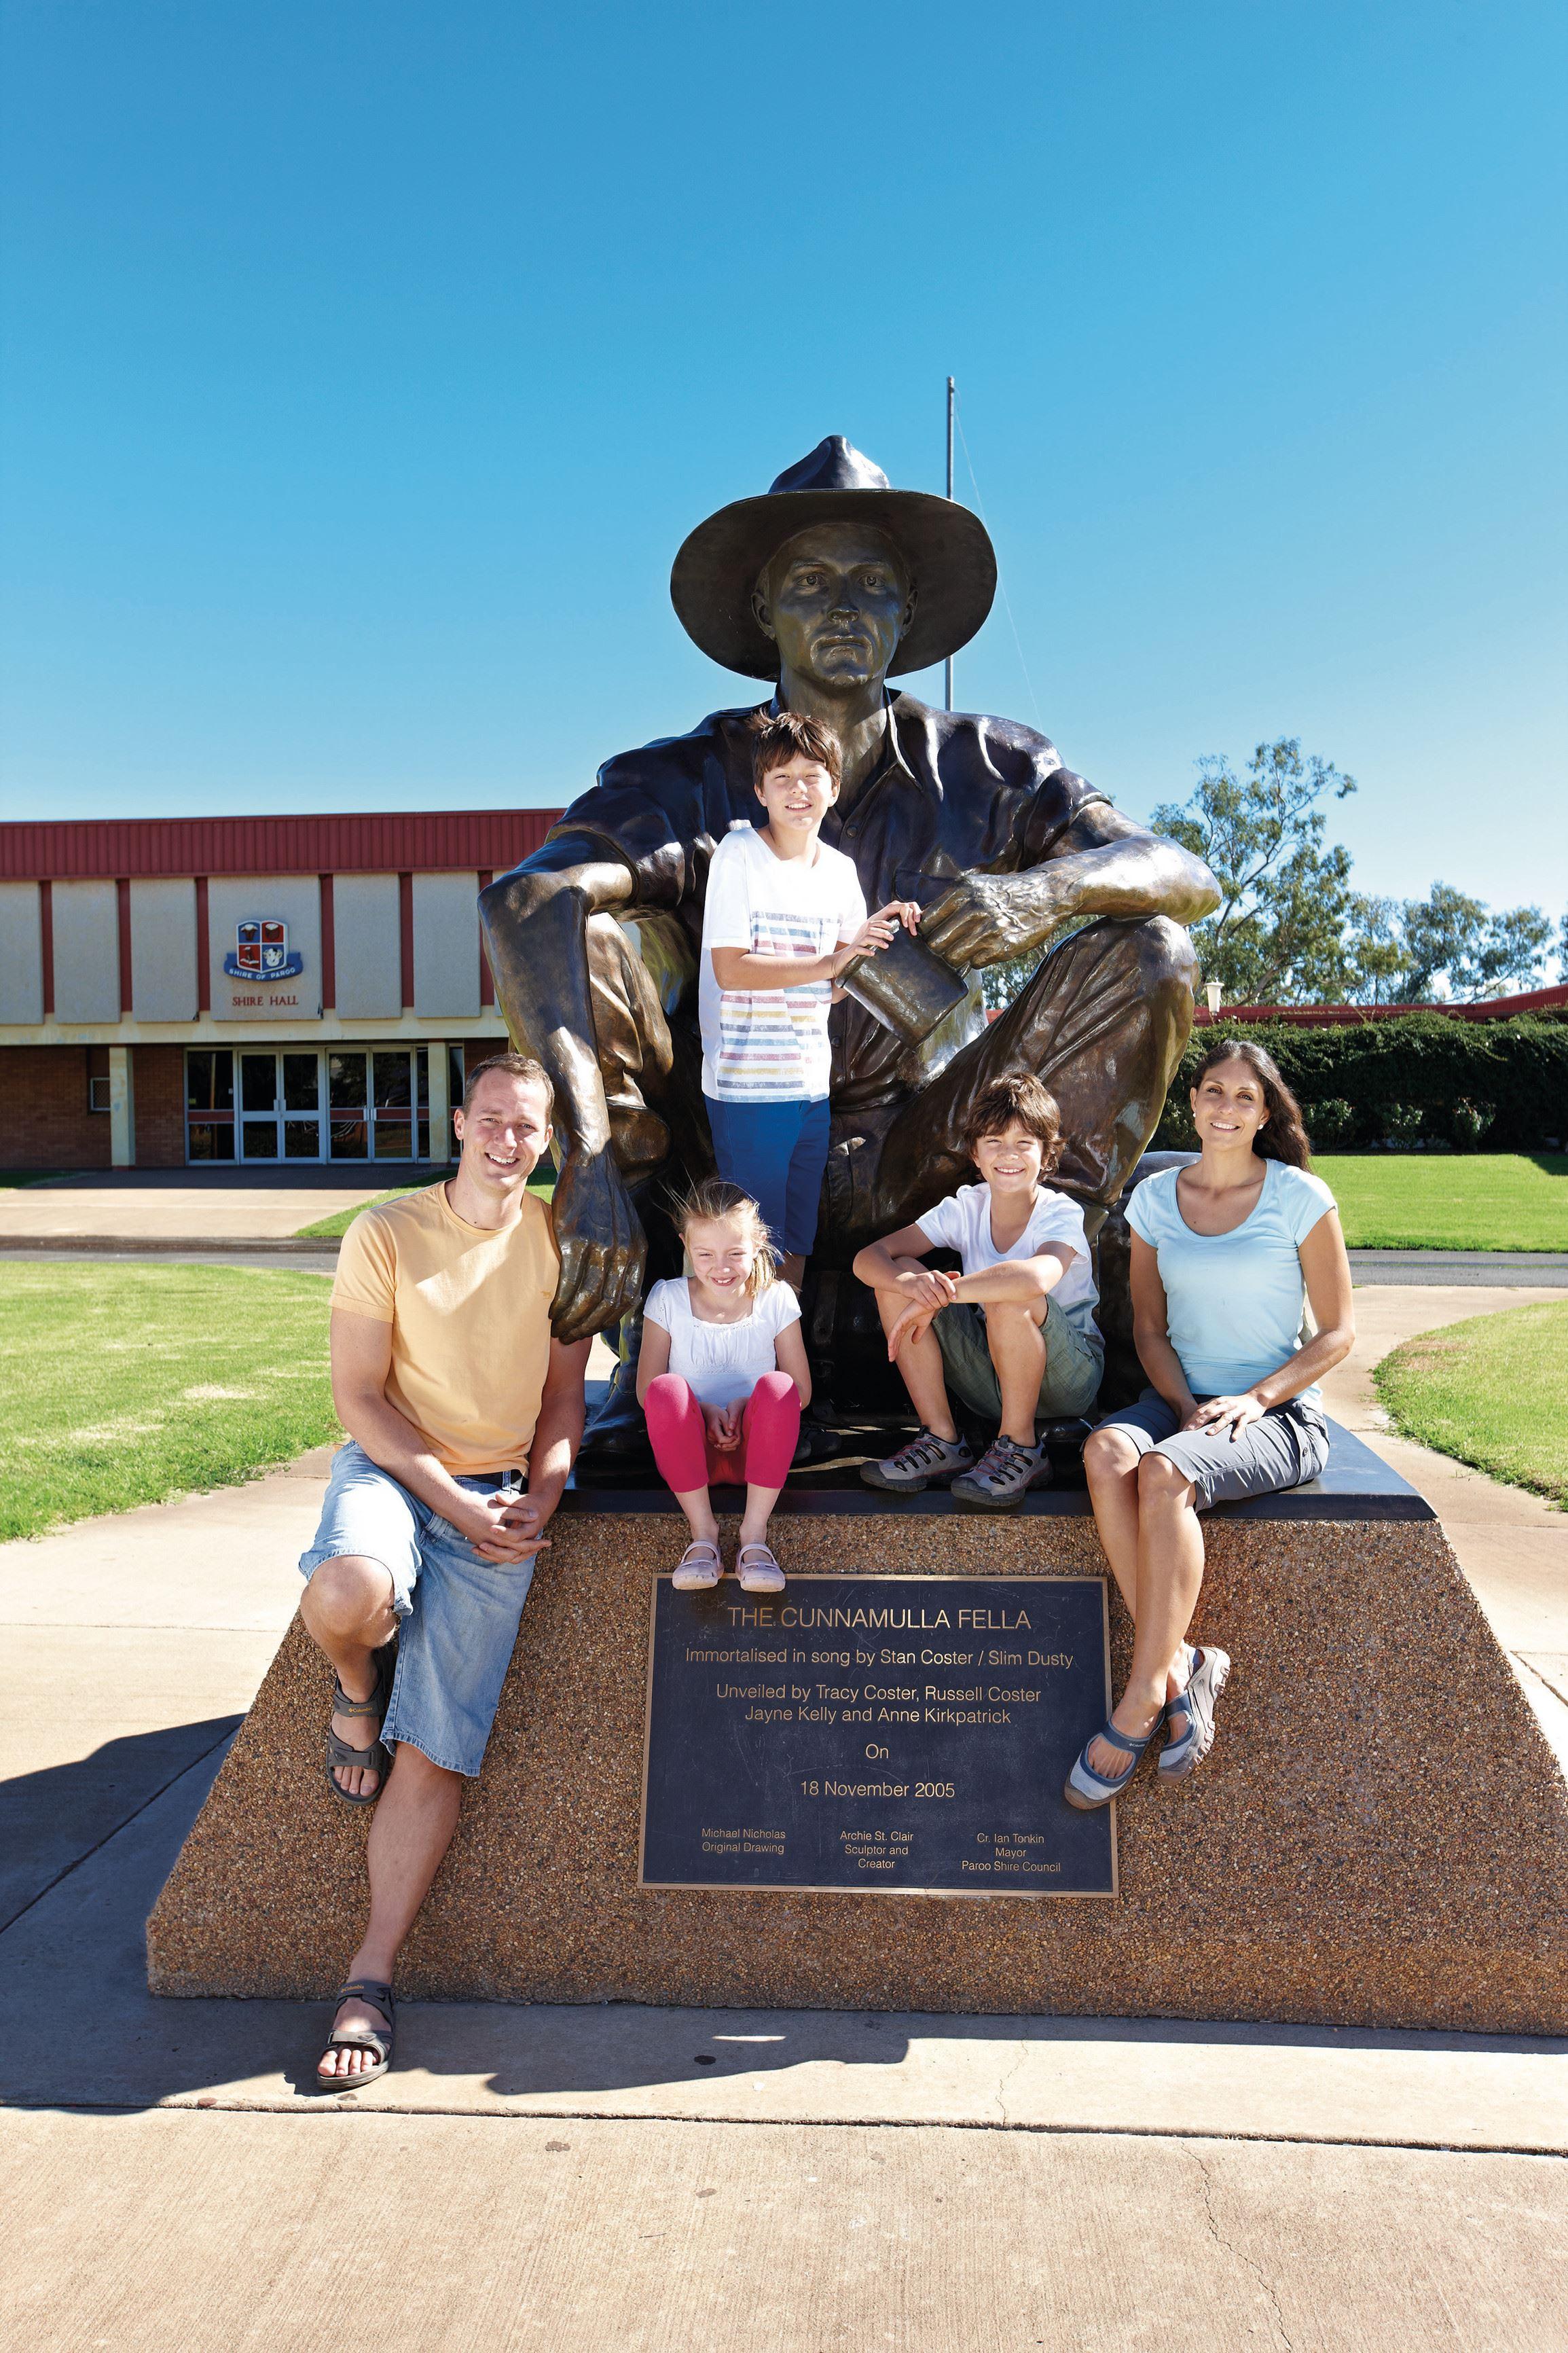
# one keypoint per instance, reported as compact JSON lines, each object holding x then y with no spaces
{"x":1381,"y":1838}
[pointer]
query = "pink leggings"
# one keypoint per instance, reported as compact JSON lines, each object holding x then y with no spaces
{"x":769,"y":1430}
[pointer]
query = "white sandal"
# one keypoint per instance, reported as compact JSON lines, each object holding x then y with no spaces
{"x":757,"y":1569}
{"x":698,"y":1568}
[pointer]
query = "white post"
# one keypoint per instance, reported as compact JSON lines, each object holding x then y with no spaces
{"x":440,"y":1102}
{"x":947,"y":666}
{"x":1213,"y":992}
{"x":121,"y":1109}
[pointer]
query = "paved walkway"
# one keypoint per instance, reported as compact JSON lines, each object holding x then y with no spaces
{"x":153,"y":1205}
{"x":1513,"y":1546}
{"x":254,"y":2234}
{"x":579,"y":2179}
{"x":1483,"y":1267}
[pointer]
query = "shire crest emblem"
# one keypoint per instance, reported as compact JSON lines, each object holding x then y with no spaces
{"x":261,"y":952}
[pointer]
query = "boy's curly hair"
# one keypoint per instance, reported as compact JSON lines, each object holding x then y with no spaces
{"x":1022,"y":1097}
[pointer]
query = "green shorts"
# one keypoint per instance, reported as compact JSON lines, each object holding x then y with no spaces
{"x":1068,"y":1386}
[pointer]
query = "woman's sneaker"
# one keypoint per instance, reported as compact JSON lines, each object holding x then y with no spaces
{"x":912,"y":1470}
{"x":1003,"y":1476}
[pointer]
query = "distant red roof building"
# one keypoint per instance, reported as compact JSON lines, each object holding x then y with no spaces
{"x":1335,"y":1017}
{"x":215,"y":989}
{"x":409,"y":841}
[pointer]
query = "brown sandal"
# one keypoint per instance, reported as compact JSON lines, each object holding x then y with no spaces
{"x":377,"y":1758}
{"x":378,"y":2039}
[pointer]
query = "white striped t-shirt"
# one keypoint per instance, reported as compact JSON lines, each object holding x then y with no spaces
{"x":770,"y":1045}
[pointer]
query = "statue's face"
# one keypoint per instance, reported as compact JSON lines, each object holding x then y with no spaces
{"x":835,"y":600}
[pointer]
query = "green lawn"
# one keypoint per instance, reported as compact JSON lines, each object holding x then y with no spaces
{"x":126,"y":1384}
{"x":333,"y":1227}
{"x":1451,"y":1200}
{"x":1493,"y":1392}
{"x":1388,"y":1201}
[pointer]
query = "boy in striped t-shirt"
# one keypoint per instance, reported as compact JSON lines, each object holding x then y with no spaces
{"x":782,"y":916}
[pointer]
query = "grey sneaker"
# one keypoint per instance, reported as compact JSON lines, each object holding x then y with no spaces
{"x":1003,"y":1476}
{"x":912,"y":1470}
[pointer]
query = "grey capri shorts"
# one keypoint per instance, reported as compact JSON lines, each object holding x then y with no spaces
{"x":1289,"y":1446}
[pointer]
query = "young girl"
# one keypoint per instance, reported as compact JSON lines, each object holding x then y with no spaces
{"x":722,"y":1378}
{"x":1226,"y":1256}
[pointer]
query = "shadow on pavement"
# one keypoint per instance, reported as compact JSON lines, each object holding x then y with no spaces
{"x":83,"y":1939}
{"x":52,"y":1819}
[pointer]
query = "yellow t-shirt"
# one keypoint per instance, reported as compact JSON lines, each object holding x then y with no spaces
{"x":469,"y":1311}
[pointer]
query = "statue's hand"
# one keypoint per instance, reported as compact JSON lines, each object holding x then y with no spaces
{"x":986,"y":918}
{"x":602,"y":1247}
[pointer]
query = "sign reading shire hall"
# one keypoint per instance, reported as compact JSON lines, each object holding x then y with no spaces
{"x":877,"y":1734}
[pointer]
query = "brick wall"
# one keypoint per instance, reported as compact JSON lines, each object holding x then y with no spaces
{"x":159,"y":1079}
{"x":44,"y":1119}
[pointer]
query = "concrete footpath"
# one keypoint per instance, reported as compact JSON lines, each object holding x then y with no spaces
{"x":583,"y":2177}
{"x":1485,"y":1268}
{"x":153,"y":1207}
{"x":1512,"y":1545}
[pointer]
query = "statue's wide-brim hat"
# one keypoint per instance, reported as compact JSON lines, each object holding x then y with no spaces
{"x":947,"y":549}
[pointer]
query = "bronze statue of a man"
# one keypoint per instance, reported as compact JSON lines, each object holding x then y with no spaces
{"x":830,"y":583}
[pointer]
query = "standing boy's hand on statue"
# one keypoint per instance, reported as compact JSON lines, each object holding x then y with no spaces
{"x":878,"y":930}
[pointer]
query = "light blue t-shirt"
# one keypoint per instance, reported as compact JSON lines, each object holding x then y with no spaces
{"x":1235,"y":1301}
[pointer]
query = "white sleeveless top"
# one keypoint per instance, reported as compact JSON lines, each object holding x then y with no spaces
{"x":721,"y":1362}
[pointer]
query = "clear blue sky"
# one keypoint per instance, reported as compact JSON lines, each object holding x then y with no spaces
{"x":364,"y":365}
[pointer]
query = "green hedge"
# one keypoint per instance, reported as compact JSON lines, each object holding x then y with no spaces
{"x":1423,"y":1077}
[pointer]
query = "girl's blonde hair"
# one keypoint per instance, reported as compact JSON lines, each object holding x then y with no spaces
{"x":713,"y":1198}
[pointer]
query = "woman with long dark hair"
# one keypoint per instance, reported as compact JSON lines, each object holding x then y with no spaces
{"x":1226,"y":1254}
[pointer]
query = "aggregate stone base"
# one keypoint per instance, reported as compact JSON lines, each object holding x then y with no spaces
{"x":1379,"y":1839}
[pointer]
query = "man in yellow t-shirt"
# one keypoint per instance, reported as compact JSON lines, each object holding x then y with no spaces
{"x":453,"y":1392}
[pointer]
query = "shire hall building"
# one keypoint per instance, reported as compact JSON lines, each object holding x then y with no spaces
{"x":201,"y":991}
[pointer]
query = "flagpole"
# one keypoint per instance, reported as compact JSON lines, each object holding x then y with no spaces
{"x":947,"y":666}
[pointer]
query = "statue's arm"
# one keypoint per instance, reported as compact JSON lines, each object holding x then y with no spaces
{"x":536,"y":931}
{"x":1101,"y":864}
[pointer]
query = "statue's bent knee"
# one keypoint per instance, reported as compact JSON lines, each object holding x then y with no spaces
{"x":1166,"y":956}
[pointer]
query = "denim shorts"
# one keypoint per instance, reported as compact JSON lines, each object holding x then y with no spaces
{"x":1069,"y":1382}
{"x":458,"y":1613}
{"x":1289,"y":1446}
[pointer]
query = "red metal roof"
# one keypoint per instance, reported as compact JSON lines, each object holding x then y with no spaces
{"x":420,"y":841}
{"x":1334,"y":1016}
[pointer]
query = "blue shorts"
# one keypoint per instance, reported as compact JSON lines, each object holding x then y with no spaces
{"x":777,"y":1152}
{"x":458,"y":1614}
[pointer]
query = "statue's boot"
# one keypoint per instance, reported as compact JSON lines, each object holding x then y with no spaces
{"x":617,"y":1434}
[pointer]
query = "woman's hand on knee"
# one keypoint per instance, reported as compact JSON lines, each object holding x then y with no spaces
{"x":1226,"y":1417}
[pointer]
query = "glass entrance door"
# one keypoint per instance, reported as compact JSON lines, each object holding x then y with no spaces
{"x":340,"y":1102}
{"x":279,"y":1105}
{"x":380,"y":1102}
